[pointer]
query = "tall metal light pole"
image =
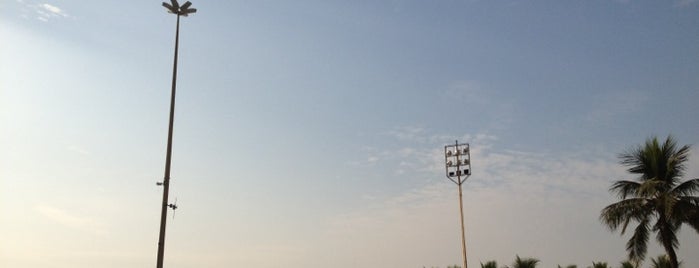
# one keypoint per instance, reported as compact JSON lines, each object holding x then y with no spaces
{"x":178,"y":10}
{"x":457,"y":158}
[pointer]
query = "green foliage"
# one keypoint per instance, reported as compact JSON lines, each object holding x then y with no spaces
{"x":490,"y":264}
{"x":524,"y":263}
{"x":569,"y":266}
{"x":661,"y":261}
{"x":599,"y":265}
{"x":657,"y":199}
{"x":454,"y":266}
{"x":627,"y":264}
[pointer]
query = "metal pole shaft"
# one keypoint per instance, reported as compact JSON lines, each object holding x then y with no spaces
{"x":463,"y":233}
{"x":168,"y":157}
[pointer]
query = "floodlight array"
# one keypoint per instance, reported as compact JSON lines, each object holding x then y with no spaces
{"x":183,"y":10}
{"x":457,"y":158}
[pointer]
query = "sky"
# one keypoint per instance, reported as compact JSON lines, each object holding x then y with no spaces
{"x":311,"y":133}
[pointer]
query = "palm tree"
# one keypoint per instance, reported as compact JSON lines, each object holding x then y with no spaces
{"x":524,"y":263}
{"x":490,"y":264}
{"x":658,"y":200}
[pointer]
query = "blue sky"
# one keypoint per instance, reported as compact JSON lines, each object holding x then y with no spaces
{"x":310,"y":133}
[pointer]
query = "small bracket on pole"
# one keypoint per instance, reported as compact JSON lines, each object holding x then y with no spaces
{"x":173,"y":206}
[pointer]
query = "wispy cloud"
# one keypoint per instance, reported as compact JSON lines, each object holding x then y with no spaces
{"x":70,"y":220}
{"x":53,"y":10}
{"x":408,"y":133}
{"x":418,"y":150}
{"x":47,"y":12}
{"x":43,"y":11}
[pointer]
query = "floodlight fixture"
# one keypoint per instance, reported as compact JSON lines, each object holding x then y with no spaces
{"x":458,"y":162}
{"x":183,"y":10}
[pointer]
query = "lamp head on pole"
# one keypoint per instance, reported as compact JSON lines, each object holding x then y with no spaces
{"x":183,"y":10}
{"x":457,"y":159}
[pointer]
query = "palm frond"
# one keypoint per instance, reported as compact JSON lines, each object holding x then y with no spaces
{"x":638,"y":244}
{"x":661,"y":261}
{"x":665,"y":206}
{"x":599,"y":265}
{"x":525,"y":263}
{"x":636,"y":160}
{"x":625,"y":188}
{"x":687,"y":211}
{"x":693,"y":200}
{"x":489,"y":264}
{"x":666,"y":233}
{"x":627,"y":264}
{"x":686,"y":188}
{"x":676,"y":158}
{"x":623,"y":211}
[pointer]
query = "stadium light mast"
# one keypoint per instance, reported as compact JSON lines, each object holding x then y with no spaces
{"x":183,"y":10}
{"x":457,"y":160}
